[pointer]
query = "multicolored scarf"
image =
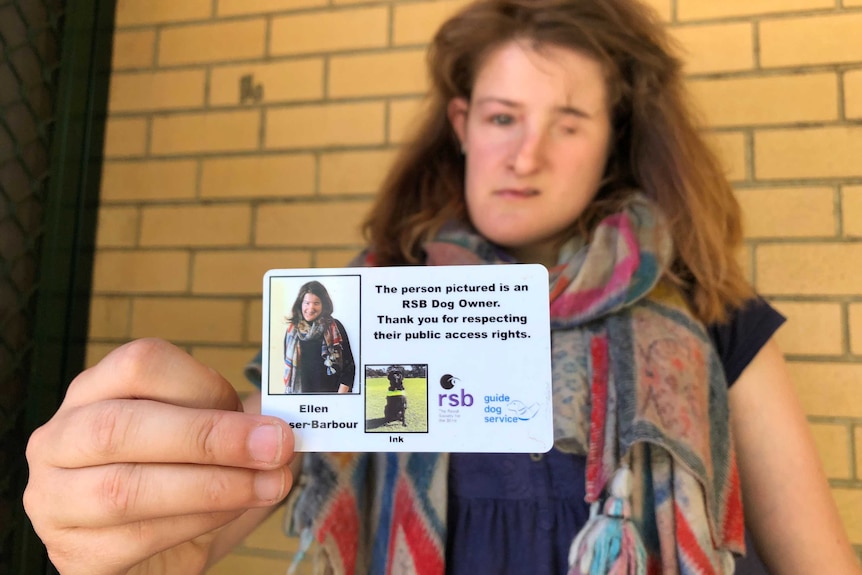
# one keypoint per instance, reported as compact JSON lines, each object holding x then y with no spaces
{"x":637,"y":385}
{"x":324,"y":329}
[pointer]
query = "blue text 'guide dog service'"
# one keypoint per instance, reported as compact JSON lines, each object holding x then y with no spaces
{"x":446,"y":359}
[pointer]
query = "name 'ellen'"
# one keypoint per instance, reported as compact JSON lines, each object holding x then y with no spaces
{"x":313,"y":409}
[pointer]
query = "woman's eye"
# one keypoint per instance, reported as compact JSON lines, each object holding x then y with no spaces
{"x":502,"y":119}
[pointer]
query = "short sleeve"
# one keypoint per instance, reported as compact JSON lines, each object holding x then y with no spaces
{"x":739,"y":339}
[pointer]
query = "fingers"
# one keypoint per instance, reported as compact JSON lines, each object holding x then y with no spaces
{"x":153,"y":369}
{"x":123,"y":494}
{"x":150,"y":451}
{"x":118,"y":549}
{"x":142,"y":431}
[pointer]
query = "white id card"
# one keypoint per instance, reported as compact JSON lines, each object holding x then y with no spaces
{"x":445,"y":359}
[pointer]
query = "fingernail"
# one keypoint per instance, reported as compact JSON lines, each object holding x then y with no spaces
{"x":268,"y":485}
{"x":264,"y":443}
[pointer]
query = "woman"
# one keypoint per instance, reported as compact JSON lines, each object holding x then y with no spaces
{"x":317,"y":356}
{"x":557,"y":134}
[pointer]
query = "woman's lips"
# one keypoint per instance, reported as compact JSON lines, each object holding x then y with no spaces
{"x":517,"y":193}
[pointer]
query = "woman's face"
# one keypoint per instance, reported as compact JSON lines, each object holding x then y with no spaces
{"x":311,"y":307}
{"x":536,"y":133}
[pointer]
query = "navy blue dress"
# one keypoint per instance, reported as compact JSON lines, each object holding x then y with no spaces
{"x":517,"y":514}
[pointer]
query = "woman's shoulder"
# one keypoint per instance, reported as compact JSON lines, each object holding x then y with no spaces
{"x":364,"y":259}
{"x":742,"y":336}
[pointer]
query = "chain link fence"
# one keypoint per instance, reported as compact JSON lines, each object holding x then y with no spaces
{"x":29,"y":71}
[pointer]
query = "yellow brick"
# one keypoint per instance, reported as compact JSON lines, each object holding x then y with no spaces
{"x":241,"y":272}
{"x":125,"y":137}
{"x":133,"y":49}
{"x":744,"y":259}
{"x":109,"y":317}
{"x":209,"y":132}
{"x":145,"y":91}
{"x":747,"y":101}
{"x":270,"y":535}
{"x":851,"y":210}
{"x":138,"y":12}
{"x":808,"y":153}
{"x":117,"y":227}
{"x":282,"y":175}
{"x":827,"y":40}
{"x":856,"y":333}
{"x":732,"y":151}
{"x":418,"y":22}
{"x":254,"y":321}
{"x":281,"y":81}
{"x":251,"y":565}
{"x":330,"y":31}
{"x":140,"y":272}
{"x":809,"y":269}
{"x":829,"y":389}
{"x":853,"y":94}
{"x":354,"y":172}
{"x":705,"y":9}
{"x":716,"y":48}
{"x":849,"y":502}
{"x":151,"y":180}
{"x":96,"y":352}
{"x":833,"y":445}
{"x":662,"y":8}
{"x":328,"y":125}
{"x":403,"y":118}
{"x":788,"y":212}
{"x":858,"y":442}
{"x":187,"y":319}
{"x":196,"y":226}
{"x":811,"y":328}
{"x":378,"y":74}
{"x":229,"y":362}
{"x":235,"y":40}
{"x":306,"y":224}
{"x":243,"y":7}
{"x":334,"y":258}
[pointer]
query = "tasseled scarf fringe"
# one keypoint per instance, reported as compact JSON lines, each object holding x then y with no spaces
{"x":610,"y":542}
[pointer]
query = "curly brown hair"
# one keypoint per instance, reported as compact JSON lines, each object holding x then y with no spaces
{"x":314,"y":288}
{"x":657,"y":148}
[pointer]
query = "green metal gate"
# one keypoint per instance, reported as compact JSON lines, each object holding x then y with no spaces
{"x":54,"y":69}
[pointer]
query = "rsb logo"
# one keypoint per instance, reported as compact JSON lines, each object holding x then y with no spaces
{"x":462,"y":399}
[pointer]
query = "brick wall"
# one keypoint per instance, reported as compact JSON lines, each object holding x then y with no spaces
{"x":238,"y":128}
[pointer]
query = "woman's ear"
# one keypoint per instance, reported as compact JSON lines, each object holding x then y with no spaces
{"x":457,"y":112}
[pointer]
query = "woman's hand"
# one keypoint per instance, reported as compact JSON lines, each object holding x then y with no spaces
{"x":148,"y":457}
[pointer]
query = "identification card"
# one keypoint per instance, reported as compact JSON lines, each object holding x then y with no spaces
{"x":443,"y":359}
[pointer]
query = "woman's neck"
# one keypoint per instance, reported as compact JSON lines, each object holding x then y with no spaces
{"x":546,"y":254}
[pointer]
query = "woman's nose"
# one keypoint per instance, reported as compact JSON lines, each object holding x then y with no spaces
{"x":529,"y":153}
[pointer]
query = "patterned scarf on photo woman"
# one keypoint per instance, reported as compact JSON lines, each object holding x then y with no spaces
{"x":638,"y":390}
{"x":324,"y":329}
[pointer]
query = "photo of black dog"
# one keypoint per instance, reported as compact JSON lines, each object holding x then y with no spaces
{"x":387,"y":386}
{"x":396,"y":400}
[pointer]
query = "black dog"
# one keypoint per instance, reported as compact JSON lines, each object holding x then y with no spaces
{"x":396,"y":400}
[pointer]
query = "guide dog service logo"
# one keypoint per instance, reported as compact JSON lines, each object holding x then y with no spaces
{"x":516,"y":410}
